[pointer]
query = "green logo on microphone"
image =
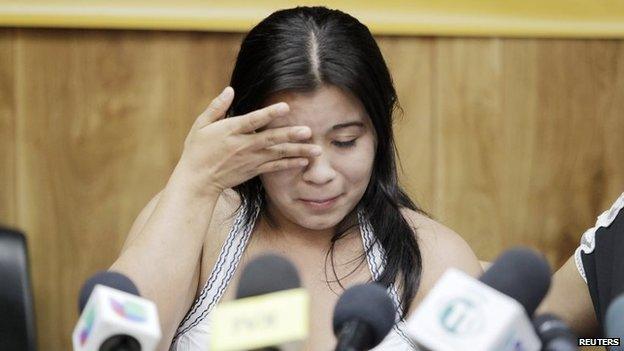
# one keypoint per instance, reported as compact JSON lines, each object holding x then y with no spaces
{"x":461,"y":317}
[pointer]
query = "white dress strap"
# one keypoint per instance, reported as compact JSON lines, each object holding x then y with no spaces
{"x":376,"y":258}
{"x":223,"y":271}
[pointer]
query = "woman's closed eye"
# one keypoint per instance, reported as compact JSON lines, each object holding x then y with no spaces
{"x":344,"y":144}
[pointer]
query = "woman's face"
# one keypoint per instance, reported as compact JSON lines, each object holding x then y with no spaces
{"x":319,"y":195}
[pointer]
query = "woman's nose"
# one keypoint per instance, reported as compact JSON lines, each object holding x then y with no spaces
{"x":319,"y":170}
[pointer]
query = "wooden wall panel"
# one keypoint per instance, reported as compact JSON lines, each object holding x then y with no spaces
{"x":8,"y":111}
{"x":105,"y":117}
{"x":569,"y":182}
{"x":522,"y":133}
{"x":608,"y":65}
{"x":468,"y":140}
{"x":410,"y":62}
{"x":83,"y":101}
{"x":507,"y":141}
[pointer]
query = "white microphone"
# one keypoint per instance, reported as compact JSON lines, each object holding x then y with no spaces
{"x":115,"y":318}
{"x":489,"y":314}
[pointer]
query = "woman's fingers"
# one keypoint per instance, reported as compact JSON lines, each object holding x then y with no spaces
{"x":216,"y":109}
{"x":281,"y":164}
{"x":292,"y":150}
{"x":286,"y":156}
{"x":275,"y":136}
{"x":223,"y":153}
{"x":257,"y":119}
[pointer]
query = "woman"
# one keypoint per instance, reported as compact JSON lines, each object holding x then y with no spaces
{"x":304,"y":166}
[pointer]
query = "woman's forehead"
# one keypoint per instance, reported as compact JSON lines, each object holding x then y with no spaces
{"x":321,"y":109}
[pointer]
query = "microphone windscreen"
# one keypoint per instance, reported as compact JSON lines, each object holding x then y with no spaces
{"x":113,"y":280}
{"x":267,"y":274}
{"x":521,"y":274}
{"x":614,"y":320}
{"x":551,"y":328}
{"x":368,"y":303}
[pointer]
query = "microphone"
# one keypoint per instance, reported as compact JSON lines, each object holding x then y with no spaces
{"x":554,"y":333}
{"x":363,"y":316}
{"x":267,"y":274}
{"x":521,"y":274}
{"x":114,"y":317}
{"x":614,"y":320}
{"x":489,"y":314}
{"x":270,"y":312}
{"x":113,"y":280}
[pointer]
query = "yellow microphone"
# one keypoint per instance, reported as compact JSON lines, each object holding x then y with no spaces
{"x":271,"y":311}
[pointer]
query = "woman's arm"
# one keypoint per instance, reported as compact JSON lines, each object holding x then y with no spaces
{"x":163,"y":249}
{"x":140,"y":221}
{"x":162,"y":253}
{"x":569,"y":299}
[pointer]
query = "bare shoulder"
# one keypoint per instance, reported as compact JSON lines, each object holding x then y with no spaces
{"x":442,"y":245}
{"x":441,"y":248}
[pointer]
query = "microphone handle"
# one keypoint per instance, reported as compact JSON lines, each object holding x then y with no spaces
{"x":354,"y":335}
{"x":561,"y":344}
{"x":120,"y":342}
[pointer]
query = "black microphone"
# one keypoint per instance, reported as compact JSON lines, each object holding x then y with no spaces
{"x":264,"y":275}
{"x":270,"y":311}
{"x":524,"y":263}
{"x":363,"y":316}
{"x":554,"y":333}
{"x":267,"y":274}
{"x":111,"y":279}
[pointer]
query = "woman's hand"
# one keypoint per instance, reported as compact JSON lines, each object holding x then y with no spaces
{"x":222,"y":153}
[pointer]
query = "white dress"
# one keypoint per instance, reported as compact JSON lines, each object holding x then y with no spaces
{"x":193,"y":333}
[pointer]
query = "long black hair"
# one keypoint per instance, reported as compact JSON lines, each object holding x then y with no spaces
{"x":299,"y":50}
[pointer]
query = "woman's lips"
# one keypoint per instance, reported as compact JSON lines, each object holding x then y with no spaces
{"x":320,"y":204}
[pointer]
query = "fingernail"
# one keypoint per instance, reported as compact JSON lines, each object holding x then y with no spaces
{"x":226,"y":92}
{"x":281,"y":108}
{"x":316,"y":150}
{"x":303,"y":132}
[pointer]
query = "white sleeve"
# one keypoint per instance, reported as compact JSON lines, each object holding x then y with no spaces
{"x":588,"y":240}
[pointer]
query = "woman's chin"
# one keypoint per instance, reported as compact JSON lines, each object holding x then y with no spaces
{"x":320,"y":222}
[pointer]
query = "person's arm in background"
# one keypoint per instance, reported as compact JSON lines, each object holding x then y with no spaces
{"x":592,"y":275}
{"x":569,"y":299}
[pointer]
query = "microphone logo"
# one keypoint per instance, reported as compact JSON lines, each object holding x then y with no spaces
{"x":88,"y":325}
{"x":461,"y":317}
{"x":129,"y":310}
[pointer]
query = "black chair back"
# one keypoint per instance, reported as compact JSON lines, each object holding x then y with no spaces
{"x":17,"y":319}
